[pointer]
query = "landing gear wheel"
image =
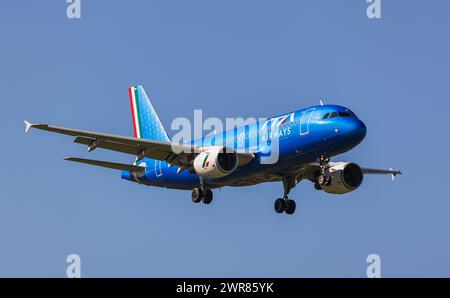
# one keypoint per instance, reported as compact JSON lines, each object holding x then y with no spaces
{"x":279,"y":205}
{"x":317,"y":186}
{"x":322,"y":180}
{"x":207,"y":197}
{"x":197,"y":195}
{"x":290,"y":206}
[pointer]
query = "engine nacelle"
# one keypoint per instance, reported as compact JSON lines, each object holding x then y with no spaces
{"x":215,"y":162}
{"x":345,"y":177}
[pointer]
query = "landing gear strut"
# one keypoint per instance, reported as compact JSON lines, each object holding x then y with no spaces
{"x":285,"y":204}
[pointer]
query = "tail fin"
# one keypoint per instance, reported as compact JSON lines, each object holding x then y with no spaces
{"x":146,"y":123}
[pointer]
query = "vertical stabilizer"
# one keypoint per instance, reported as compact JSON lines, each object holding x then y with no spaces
{"x":146,"y":124}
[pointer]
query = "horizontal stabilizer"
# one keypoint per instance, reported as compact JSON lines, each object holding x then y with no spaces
{"x":28,"y":125}
{"x":106,"y":164}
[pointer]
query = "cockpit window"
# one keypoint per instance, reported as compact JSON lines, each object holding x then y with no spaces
{"x":345,"y":114}
{"x":334,"y":114}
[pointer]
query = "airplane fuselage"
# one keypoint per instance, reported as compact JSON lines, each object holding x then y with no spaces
{"x":303,"y":136}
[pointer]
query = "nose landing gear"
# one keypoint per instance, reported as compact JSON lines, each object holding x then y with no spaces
{"x":323,"y":179}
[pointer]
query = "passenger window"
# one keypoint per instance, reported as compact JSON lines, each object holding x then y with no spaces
{"x":325,"y":116}
{"x":334,"y":114}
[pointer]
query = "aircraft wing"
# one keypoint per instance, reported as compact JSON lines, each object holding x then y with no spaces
{"x":298,"y":173}
{"x":379,"y":171}
{"x":134,"y":146}
{"x":308,"y":171}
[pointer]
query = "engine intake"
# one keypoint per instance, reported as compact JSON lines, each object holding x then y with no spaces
{"x":345,"y":177}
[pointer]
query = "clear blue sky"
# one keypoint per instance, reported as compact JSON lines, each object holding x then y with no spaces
{"x":231,"y":58}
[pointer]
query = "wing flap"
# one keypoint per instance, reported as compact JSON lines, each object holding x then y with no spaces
{"x":113,"y":146}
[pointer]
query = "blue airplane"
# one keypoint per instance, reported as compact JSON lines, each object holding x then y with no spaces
{"x":289,"y":148}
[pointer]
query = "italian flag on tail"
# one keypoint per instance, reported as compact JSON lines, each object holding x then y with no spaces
{"x":146,"y":124}
{"x":135,"y":111}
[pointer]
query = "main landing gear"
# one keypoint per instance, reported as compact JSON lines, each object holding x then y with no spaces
{"x":199,"y":195}
{"x":202,"y":194}
{"x":285,"y":204}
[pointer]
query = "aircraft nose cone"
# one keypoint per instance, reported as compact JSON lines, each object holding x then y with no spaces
{"x":354,"y":129}
{"x":359,"y":129}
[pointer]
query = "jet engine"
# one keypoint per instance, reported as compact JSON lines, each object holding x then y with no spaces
{"x":215,"y":162}
{"x":344,"y":177}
